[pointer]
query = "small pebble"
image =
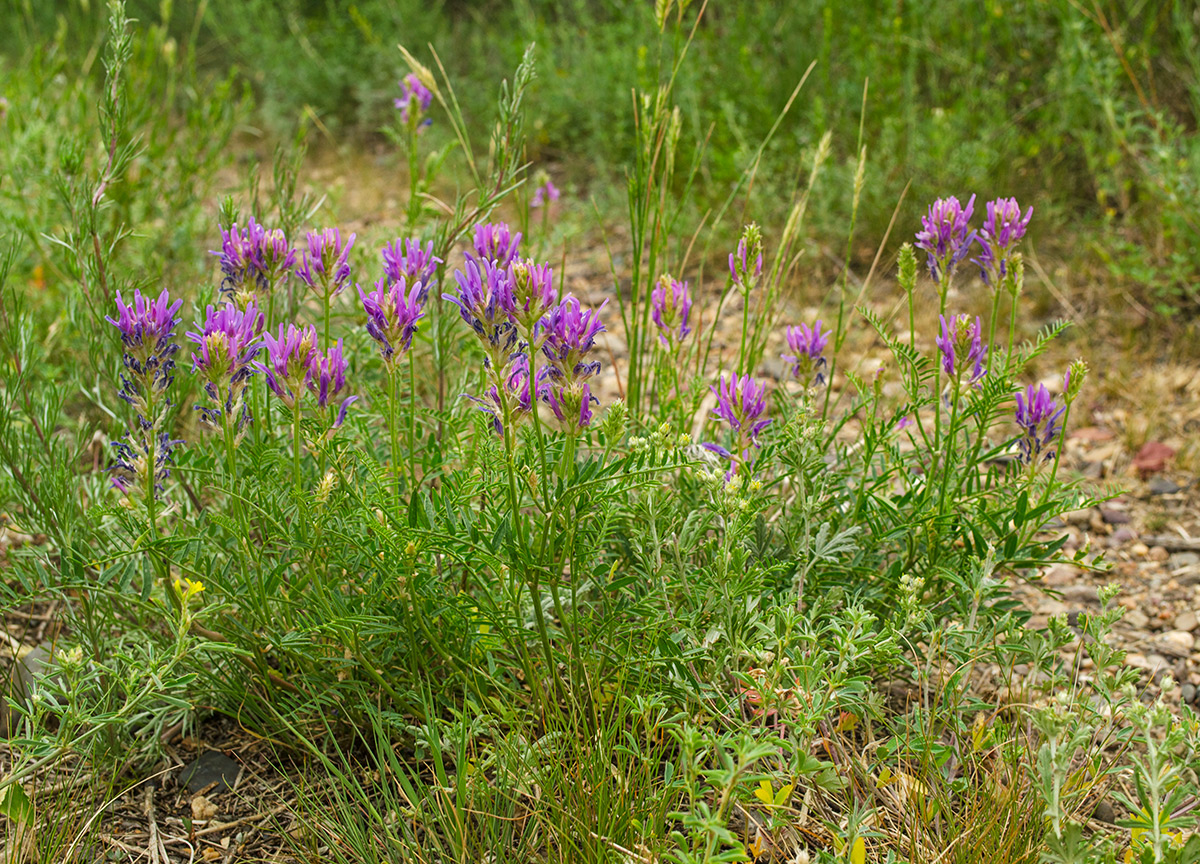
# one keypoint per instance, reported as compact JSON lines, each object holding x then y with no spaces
{"x":1163,"y":486}
{"x":1186,"y":621}
{"x":1178,"y":643}
{"x":1137,"y":619}
{"x":1139,"y":550}
{"x":1078,"y":517}
{"x":1184,"y":559}
{"x":1122,"y":535}
{"x":1115,"y":517}
{"x":1187,"y":692}
{"x":1159,"y":554}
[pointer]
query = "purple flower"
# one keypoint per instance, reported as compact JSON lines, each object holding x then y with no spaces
{"x":808,"y":346}
{"x":533,"y":292}
{"x":571,"y":404}
{"x":961,"y":344}
{"x":485,"y":302}
{"x":496,"y":242}
{"x":228,"y":341}
{"x":742,"y":403}
{"x":252,"y":261}
{"x":547,"y":192}
{"x":569,"y":334}
{"x":946,"y":236}
{"x":518,"y":394}
{"x":132,"y":462}
{"x":147,"y":330}
{"x":904,"y":423}
{"x":289,"y":356}
{"x":1003,"y":229}
{"x":670,"y":309}
{"x":327,"y":374}
{"x":147,"y":326}
{"x":327,"y":261}
{"x":1038,"y":415}
{"x":749,"y":247}
{"x":412,"y":265}
{"x":414,"y":96}
{"x":392,"y":315}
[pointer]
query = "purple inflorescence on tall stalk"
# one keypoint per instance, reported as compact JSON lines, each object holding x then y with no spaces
{"x":570,"y":333}
{"x":496,"y":242}
{"x":742,"y":404}
{"x":147,"y":330}
{"x":808,"y":348}
{"x":327,"y":378}
{"x":1003,"y":228}
{"x":326,"y":262}
{"x":227,"y":343}
{"x":253,"y":260}
{"x":946,"y":236}
{"x":670,"y":309}
{"x":962,"y":348}
{"x":393,"y":310}
{"x":288,"y":359}
{"x":485,"y":302}
{"x":568,"y":336}
{"x":406,"y":260}
{"x":414,"y":97}
{"x":1038,"y":415}
{"x":745,"y":274}
{"x":545,"y":194}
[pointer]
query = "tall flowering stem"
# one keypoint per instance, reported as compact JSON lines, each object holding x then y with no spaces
{"x":326,"y":267}
{"x":946,"y":238}
{"x":807,"y":345}
{"x":286,"y":370}
{"x":670,"y":310}
{"x":226,"y":343}
{"x":745,"y":266}
{"x":742,"y":405}
{"x":999,"y":264}
{"x":393,"y":310}
{"x":147,"y":329}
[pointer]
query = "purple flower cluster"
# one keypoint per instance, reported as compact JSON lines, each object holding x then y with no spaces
{"x":746,"y":274}
{"x":961,"y":344}
{"x":295,"y":364}
{"x":1003,"y":229}
{"x":513,"y":307}
{"x":393,"y":310}
{"x":410,"y":263}
{"x":742,"y":404}
{"x":485,"y":302}
{"x":947,"y":237}
{"x":227,"y":343}
{"x":547,"y":193}
{"x":414,"y":100}
{"x":253,"y":261}
{"x":807,"y":345}
{"x":326,"y":263}
{"x":133,"y":457}
{"x":1039,"y":415}
{"x":670,"y":309}
{"x":497,"y":243}
{"x":147,"y":330}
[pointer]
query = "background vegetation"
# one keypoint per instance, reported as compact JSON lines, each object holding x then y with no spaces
{"x":1087,"y":109}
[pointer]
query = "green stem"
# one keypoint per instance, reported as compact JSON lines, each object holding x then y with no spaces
{"x":393,"y":421}
{"x":412,"y":422}
{"x":296,"y":436}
